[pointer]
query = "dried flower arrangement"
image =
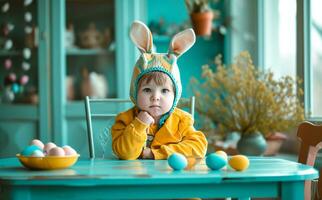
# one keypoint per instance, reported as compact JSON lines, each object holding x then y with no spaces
{"x":241,"y":98}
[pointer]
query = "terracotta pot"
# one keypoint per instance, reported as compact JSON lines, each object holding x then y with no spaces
{"x":202,"y":23}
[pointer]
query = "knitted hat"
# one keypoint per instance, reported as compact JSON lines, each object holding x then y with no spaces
{"x":158,"y":62}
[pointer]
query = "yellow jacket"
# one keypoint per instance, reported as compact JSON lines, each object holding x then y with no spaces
{"x":177,"y":134}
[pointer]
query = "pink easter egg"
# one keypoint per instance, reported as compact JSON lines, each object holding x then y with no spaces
{"x":56,"y":151}
{"x":69,"y":151}
{"x":8,"y":63}
{"x":12,"y":77}
{"x":37,"y":143}
{"x":24,"y":79}
{"x":49,"y":146}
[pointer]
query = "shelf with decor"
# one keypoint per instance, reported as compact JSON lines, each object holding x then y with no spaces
{"x":88,"y":52}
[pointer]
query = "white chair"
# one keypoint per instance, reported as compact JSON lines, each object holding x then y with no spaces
{"x":105,"y":110}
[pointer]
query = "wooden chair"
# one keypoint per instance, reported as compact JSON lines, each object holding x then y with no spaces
{"x":106,"y":110}
{"x":310,"y":136}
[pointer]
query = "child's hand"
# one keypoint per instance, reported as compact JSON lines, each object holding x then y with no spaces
{"x":145,"y":117}
{"x":147,"y":154}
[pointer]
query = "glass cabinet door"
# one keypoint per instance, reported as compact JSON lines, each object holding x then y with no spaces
{"x":90,"y":49}
{"x":18,"y":52}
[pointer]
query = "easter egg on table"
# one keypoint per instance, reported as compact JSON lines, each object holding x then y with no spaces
{"x":69,"y":151}
{"x":239,"y":162}
{"x":37,"y":143}
{"x":215,"y":161}
{"x":37,"y":153}
{"x":49,"y":146}
{"x":222,"y":153}
{"x":29,"y":150}
{"x":56,"y":151}
{"x":177,"y":161}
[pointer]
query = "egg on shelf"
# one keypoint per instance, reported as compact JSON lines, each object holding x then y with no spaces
{"x":69,"y":151}
{"x":38,"y":143}
{"x":49,"y":146}
{"x":56,"y":151}
{"x":177,"y":161}
{"x":239,"y":162}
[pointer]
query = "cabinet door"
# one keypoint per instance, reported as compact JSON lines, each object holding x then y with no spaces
{"x":22,"y":58}
{"x":98,"y":61}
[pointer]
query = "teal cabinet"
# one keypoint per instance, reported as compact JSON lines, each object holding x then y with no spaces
{"x":76,"y":41}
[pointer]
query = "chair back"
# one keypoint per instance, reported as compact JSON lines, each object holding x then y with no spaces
{"x":100,"y":116}
{"x":310,"y":136}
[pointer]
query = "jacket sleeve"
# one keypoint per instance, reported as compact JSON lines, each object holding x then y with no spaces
{"x":128,"y":137}
{"x":193,"y":143}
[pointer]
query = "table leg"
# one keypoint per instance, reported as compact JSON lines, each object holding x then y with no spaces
{"x":292,"y":190}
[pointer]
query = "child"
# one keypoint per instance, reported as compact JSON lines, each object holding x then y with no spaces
{"x":154,"y":128}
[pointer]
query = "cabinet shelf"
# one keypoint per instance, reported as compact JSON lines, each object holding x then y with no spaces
{"x":19,"y":112}
{"x":87,"y":52}
{"x":10,"y":53}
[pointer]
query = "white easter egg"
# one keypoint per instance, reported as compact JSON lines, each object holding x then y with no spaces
{"x":37,"y":153}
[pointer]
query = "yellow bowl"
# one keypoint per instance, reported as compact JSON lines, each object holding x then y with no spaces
{"x":47,"y":162}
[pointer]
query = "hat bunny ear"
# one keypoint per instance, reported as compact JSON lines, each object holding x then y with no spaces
{"x":141,"y":37}
{"x":182,"y":42}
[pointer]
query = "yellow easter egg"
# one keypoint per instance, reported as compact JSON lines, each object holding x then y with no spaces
{"x":239,"y":162}
{"x":222,"y":153}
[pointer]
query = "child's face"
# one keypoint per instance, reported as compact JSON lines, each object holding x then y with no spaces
{"x":155,"y":99}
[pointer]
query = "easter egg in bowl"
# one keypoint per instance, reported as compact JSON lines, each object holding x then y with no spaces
{"x":47,"y":162}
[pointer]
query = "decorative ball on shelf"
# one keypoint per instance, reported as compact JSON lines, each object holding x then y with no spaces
{"x":7,"y":63}
{"x":28,"y":16}
{"x":177,"y":161}
{"x":25,"y":66}
{"x":28,"y":29}
{"x":10,"y":79}
{"x":15,"y":88}
{"x":27,"y":2}
{"x":5,"y":8}
{"x":26,"y":53}
{"x":8,"y":44}
{"x":8,"y":95}
{"x":24,"y":79}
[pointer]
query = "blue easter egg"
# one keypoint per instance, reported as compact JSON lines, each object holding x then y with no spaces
{"x":215,"y":161}
{"x":177,"y":161}
{"x":15,"y":88}
{"x":28,"y":151}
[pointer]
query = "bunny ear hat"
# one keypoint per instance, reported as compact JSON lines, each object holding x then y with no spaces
{"x":160,"y":62}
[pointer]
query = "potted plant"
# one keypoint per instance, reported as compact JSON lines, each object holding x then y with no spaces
{"x":201,"y":16}
{"x":240,"y":98}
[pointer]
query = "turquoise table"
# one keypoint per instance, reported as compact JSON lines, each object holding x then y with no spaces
{"x":147,"y":179}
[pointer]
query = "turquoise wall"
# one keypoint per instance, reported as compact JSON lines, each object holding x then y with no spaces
{"x":204,"y":50}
